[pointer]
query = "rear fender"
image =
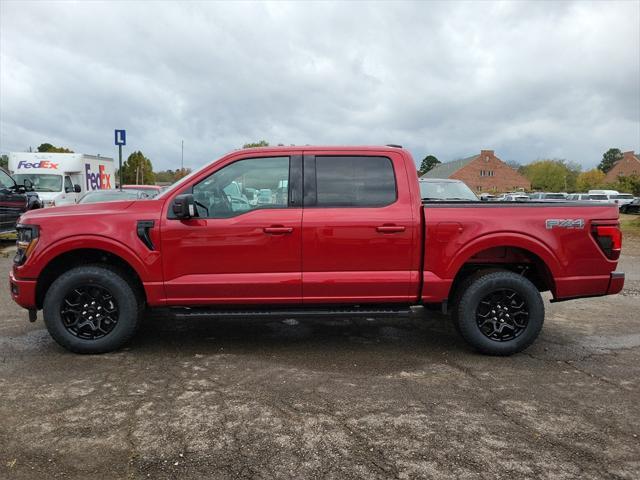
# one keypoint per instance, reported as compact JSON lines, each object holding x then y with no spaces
{"x":514,"y":240}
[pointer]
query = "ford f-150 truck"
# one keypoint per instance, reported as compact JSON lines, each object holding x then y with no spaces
{"x":337,"y":231}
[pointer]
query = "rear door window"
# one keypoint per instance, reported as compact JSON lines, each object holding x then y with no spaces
{"x":355,"y":181}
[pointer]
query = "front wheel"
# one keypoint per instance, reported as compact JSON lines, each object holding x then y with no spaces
{"x":499,"y":313}
{"x":91,"y":309}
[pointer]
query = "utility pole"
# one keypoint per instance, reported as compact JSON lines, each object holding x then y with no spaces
{"x":182,"y":157}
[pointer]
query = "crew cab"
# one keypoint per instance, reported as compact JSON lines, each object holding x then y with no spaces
{"x":336,"y":231}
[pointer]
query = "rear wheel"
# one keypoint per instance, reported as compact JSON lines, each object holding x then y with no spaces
{"x":91,"y":309}
{"x":499,"y":312}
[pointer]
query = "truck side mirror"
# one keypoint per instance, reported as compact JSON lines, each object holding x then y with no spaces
{"x":184,"y":206}
{"x":76,"y":188}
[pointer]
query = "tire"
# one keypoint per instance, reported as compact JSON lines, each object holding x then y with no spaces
{"x":68,"y":308}
{"x":517,"y":318}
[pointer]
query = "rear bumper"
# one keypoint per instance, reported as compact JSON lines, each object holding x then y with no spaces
{"x":23,"y":292}
{"x":616,"y":283}
{"x":585,"y":287}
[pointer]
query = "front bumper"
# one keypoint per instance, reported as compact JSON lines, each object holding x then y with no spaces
{"x":23,"y":292}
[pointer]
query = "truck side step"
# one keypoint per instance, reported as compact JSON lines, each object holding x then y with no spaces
{"x":315,"y":312}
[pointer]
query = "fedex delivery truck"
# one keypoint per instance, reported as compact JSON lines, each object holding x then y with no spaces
{"x":62,"y":178}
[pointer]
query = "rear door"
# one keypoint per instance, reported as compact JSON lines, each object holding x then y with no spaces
{"x":358,"y":229}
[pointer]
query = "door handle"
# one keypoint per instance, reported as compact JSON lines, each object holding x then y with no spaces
{"x":277,"y":230}
{"x":390,"y":228}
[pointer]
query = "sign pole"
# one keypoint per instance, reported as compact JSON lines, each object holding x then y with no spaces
{"x":120,"y":140}
{"x":120,"y":163}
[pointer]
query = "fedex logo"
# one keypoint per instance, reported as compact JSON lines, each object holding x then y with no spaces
{"x":99,"y":180}
{"x":40,"y":164}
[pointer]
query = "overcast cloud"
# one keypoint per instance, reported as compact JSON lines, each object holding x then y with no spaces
{"x":530,"y":80}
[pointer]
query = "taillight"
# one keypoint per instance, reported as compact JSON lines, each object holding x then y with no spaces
{"x":609,"y":239}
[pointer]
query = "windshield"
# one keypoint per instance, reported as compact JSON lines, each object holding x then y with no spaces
{"x":109,"y":196}
{"x":42,"y":182}
{"x":446,"y":191}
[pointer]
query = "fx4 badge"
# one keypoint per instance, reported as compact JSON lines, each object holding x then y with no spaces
{"x":552,"y":223}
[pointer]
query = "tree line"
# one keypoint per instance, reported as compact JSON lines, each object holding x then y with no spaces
{"x":558,"y":175}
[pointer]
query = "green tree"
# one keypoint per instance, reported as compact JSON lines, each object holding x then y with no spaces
{"x":137,"y":170}
{"x":609,"y":158}
{"x":170,"y":176}
{"x":261,"y":143}
{"x":165,"y":176}
{"x":427,"y":164}
{"x":590,"y":180}
{"x":551,"y":175}
{"x":628,"y":184}
{"x":4,"y":161}
{"x":181,"y":172}
{"x":47,"y":147}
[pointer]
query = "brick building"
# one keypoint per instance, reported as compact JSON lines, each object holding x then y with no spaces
{"x":483,"y":173}
{"x":628,"y":165}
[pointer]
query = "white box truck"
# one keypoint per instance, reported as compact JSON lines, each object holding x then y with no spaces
{"x":62,"y":178}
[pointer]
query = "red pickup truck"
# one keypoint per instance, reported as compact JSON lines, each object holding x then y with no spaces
{"x":293,"y":231}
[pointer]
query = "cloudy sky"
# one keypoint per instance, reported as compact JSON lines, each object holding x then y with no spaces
{"x":529,"y":80}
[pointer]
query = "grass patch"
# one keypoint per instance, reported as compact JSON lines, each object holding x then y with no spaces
{"x":630,"y":224}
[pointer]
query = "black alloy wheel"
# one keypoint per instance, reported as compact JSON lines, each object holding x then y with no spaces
{"x":93,"y":308}
{"x":89,"y":312}
{"x":498,"y":312}
{"x":502,"y":315}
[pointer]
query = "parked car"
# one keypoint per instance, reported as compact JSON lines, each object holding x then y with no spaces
{"x":487,"y":197}
{"x":514,"y":197}
{"x":548,"y":196}
{"x":150,"y":190}
{"x":353,"y":238}
{"x":590,"y":197}
{"x":622,"y":199}
{"x":113,"y":196}
{"x":14,"y":201}
{"x":633,"y":207}
{"x":445,"y":189}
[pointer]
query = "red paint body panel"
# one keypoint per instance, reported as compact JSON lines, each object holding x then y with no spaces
{"x":347,"y":259}
{"x":323,"y":255}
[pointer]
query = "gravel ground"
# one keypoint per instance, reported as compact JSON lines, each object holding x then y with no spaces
{"x":341,"y":399}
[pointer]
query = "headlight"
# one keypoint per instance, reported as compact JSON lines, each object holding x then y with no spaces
{"x":27,"y":239}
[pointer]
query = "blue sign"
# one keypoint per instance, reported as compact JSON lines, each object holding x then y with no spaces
{"x":121,"y":137}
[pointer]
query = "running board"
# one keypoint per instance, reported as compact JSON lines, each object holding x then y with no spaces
{"x":366,"y":312}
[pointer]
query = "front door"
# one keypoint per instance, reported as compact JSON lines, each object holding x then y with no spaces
{"x":244,"y":245}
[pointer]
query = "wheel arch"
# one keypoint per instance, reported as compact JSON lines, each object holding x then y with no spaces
{"x":515,"y":252}
{"x":64,"y":256}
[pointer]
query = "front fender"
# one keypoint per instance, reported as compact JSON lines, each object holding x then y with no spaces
{"x":144,"y":265}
